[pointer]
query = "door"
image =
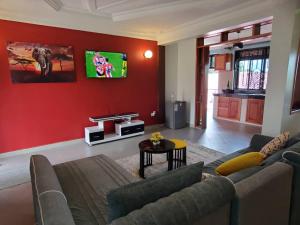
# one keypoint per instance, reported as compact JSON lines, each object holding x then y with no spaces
{"x":202,"y":57}
{"x":235,"y":108}
{"x":223,"y":107}
{"x":255,"y":111}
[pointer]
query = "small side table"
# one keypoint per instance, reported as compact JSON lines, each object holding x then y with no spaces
{"x":147,"y":149}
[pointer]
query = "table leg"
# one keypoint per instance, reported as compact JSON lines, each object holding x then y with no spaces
{"x":170,"y":160}
{"x":142,"y":164}
{"x":184,"y":156}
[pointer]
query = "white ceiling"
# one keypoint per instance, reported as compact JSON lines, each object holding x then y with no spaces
{"x":151,"y":19}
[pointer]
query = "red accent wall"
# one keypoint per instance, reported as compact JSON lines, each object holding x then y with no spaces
{"x":43,"y":113}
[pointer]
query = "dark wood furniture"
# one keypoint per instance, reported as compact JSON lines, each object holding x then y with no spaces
{"x":229,"y":107}
{"x":295,"y":104}
{"x":201,"y":84}
{"x":147,"y":149}
{"x":255,"y":111}
{"x":179,"y":157}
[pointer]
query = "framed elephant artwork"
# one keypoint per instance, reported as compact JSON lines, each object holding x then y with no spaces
{"x":40,"y":63}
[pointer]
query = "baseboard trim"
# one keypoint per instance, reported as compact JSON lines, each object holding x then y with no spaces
{"x":60,"y":144}
{"x":40,"y":148}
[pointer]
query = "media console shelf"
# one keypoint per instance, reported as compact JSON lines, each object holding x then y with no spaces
{"x":128,"y":127}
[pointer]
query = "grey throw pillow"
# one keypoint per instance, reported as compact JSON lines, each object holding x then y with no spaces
{"x":125,"y":199}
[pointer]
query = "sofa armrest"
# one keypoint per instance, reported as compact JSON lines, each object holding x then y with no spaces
{"x":258,"y":141}
{"x":50,"y":203}
{"x":191,"y":205}
{"x":292,"y":157}
{"x":264,"y":198}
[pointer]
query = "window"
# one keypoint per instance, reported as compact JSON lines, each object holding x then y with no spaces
{"x":251,"y":69}
{"x":212,"y":61}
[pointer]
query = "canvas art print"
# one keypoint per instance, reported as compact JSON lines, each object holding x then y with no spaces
{"x":40,"y":63}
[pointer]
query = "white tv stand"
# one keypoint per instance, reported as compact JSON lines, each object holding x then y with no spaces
{"x":128,"y":127}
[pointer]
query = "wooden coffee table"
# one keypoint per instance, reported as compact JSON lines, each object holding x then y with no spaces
{"x":147,"y":149}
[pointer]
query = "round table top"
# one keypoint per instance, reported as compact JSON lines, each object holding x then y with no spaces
{"x":163,"y":147}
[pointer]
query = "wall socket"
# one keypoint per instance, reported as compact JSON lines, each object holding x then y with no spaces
{"x":152,"y":114}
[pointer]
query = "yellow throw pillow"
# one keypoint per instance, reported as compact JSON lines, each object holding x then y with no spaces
{"x":239,"y":163}
{"x":275,"y":144}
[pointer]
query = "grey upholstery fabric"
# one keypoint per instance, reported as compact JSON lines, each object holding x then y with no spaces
{"x":258,"y":141}
{"x":133,"y":196}
{"x":191,"y":205}
{"x":264,"y":198}
{"x":210,"y":167}
{"x":240,"y":175}
{"x":293,"y":140}
{"x":220,"y":216}
{"x":293,"y":158}
{"x":50,"y":203}
{"x":86,"y":182}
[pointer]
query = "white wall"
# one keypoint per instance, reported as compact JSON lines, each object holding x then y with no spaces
{"x":282,"y":65}
{"x":171,"y":72}
{"x":224,"y":77}
{"x":180,"y":75}
{"x":186,"y":76}
{"x":292,"y":122}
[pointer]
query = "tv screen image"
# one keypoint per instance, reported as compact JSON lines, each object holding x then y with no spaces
{"x":106,"y":64}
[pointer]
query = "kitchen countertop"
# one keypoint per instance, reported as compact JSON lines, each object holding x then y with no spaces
{"x":241,"y":95}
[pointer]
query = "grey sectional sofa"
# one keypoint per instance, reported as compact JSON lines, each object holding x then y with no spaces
{"x":74,"y":193}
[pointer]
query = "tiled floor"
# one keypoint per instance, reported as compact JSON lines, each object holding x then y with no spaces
{"x":16,"y":202}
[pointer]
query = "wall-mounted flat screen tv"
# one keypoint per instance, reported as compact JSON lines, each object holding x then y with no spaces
{"x":105,"y":64}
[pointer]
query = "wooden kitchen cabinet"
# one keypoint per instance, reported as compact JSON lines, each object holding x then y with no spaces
{"x":229,"y":107}
{"x":221,"y":60}
{"x":255,"y":111}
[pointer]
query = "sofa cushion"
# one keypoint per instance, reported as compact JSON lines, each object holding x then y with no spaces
{"x":123,"y":200}
{"x":275,"y":157}
{"x":240,"y":175}
{"x":206,"y":202}
{"x":264,"y":197}
{"x":258,"y":141}
{"x":275,"y":144}
{"x":239,"y":163}
{"x":211,"y":167}
{"x":86,"y":182}
{"x":50,"y":203}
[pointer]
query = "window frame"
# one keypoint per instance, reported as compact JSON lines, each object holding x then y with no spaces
{"x":212,"y":61}
{"x":252,"y":54}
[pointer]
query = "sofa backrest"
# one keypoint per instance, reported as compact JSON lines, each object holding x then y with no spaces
{"x":264,"y":197}
{"x":50,"y":204}
{"x":293,"y":158}
{"x":206,"y":203}
{"x":257,"y":142}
